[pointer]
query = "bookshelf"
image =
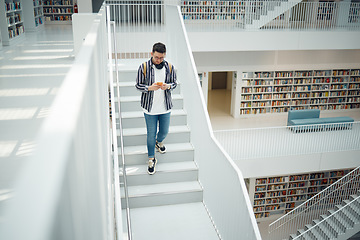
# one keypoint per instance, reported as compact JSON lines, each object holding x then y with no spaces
{"x":58,"y":11}
{"x":33,"y":15}
{"x":210,"y":10}
{"x":279,"y":91}
{"x":11,"y":20}
{"x":277,"y":195}
{"x":354,"y":16}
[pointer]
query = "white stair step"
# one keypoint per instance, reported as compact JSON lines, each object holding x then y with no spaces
{"x":136,"y":136}
{"x":350,"y":213}
{"x":175,"y":152}
{"x":165,"y":173}
{"x":135,"y":119}
{"x":163,"y":194}
{"x":353,"y":207}
{"x":132,"y":103}
{"x":127,"y":75}
{"x":341,"y":219}
{"x":333,"y":223}
{"x":170,"y":224}
{"x":322,"y":228}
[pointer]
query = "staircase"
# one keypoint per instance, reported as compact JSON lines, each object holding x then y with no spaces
{"x":269,"y":11}
{"x":169,"y":201}
{"x":340,"y":223}
{"x":333,"y":213}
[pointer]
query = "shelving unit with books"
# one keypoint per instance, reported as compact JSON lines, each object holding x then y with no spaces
{"x":34,"y":15}
{"x":274,"y":196}
{"x":11,"y":20}
{"x":210,"y":10}
{"x":354,"y":11}
{"x":58,"y":11}
{"x":280,"y":91}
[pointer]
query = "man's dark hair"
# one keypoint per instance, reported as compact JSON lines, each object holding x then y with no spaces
{"x":159,"y":47}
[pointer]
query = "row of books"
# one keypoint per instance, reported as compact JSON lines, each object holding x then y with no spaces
{"x":300,"y":74}
{"x":340,"y":72}
{"x":267,"y":208}
{"x":283,"y":74}
{"x":303,"y":74}
{"x":354,"y":79}
{"x":211,"y":9}
{"x":262,"y":215}
{"x":58,"y":10}
{"x":338,"y":100}
{"x":318,"y":182}
{"x":38,"y":12}
{"x":318,"y":81}
{"x":58,"y":18}
{"x":13,"y":19}
{"x":38,"y":21}
{"x":285,"y":108}
{"x":12,"y":6}
{"x":14,"y":32}
{"x":213,"y":3}
{"x":57,"y":2}
{"x":281,"y":95}
{"x":37,"y":3}
{"x":295,"y":88}
{"x":212,"y":17}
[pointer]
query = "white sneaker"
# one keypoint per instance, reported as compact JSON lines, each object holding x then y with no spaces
{"x":151,"y":166}
{"x":160,"y":147}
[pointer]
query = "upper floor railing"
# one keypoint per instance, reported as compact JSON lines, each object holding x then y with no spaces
{"x":266,"y":15}
{"x":289,"y":140}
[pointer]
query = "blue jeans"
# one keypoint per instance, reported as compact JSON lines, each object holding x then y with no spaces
{"x":152,"y":130}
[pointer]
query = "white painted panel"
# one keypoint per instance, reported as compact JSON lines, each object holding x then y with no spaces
{"x":81,"y":23}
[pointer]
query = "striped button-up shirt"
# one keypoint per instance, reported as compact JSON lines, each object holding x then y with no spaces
{"x":143,"y":81}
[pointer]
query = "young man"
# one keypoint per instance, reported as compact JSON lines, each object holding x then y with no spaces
{"x":155,"y":79}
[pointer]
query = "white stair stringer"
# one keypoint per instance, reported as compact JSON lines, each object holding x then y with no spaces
{"x":175,"y":184}
{"x":340,"y":223}
{"x":272,"y":13}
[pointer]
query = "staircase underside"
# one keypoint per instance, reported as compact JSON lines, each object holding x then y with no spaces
{"x":176,"y":222}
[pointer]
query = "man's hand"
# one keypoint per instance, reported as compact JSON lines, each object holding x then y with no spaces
{"x":165,"y":86}
{"x":154,"y":87}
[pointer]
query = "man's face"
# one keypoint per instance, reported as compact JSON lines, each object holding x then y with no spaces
{"x":157,"y":57}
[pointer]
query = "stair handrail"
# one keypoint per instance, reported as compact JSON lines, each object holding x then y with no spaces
{"x":332,"y":215}
{"x":118,"y":215}
{"x":317,"y":205}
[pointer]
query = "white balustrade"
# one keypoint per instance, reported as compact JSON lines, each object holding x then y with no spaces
{"x":267,"y":15}
{"x":286,"y":140}
{"x":65,"y":190}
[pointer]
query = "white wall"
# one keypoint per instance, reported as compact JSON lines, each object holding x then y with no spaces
{"x":85,"y":6}
{"x":273,"y":40}
{"x":252,"y":168}
{"x":276,"y":60}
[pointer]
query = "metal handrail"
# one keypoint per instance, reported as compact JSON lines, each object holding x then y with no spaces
{"x":114,"y":135}
{"x":293,"y":220}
